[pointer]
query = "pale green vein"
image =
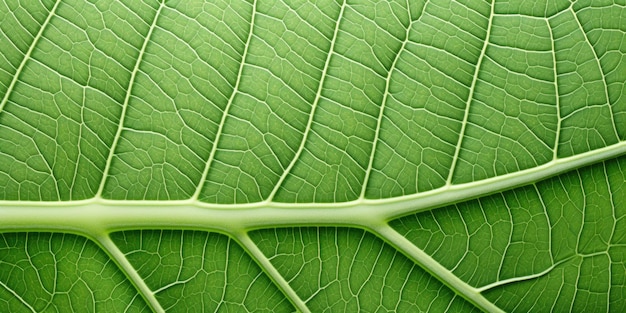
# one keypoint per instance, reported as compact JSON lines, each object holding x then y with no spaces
{"x":597,"y":61}
{"x":571,"y":308}
{"x":120,"y":259}
{"x":614,"y":222}
{"x":32,"y":265}
{"x":80,"y":135}
{"x":382,"y":110}
{"x":227,"y":254}
{"x":17,"y":296}
{"x":256,"y":253}
{"x":548,"y":222}
{"x":524,"y":278}
{"x":470,"y":97}
{"x":97,"y":217}
{"x":220,"y":129}
{"x":557,"y":136}
{"x":27,"y":56}
{"x":612,"y":201}
{"x":584,"y":208}
{"x":318,"y":96}
{"x":131,"y":84}
{"x":123,"y":214}
{"x":434,"y":268}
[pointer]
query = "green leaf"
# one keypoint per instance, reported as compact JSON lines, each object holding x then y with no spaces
{"x":312,"y":155}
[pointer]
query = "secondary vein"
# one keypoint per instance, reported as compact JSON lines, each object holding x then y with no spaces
{"x":220,"y":129}
{"x":27,"y":56}
{"x":318,"y":96}
{"x":455,"y":158}
{"x":131,"y":83}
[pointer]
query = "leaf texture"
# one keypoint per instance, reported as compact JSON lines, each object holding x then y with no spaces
{"x":325,"y":155}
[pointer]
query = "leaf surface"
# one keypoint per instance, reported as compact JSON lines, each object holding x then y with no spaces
{"x":312,"y":155}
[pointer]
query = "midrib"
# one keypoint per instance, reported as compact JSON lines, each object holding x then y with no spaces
{"x":95,"y":216}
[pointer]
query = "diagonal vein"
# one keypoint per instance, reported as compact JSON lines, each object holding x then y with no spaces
{"x":27,"y":56}
{"x":425,"y":261}
{"x":382,"y":111}
{"x":133,"y":76}
{"x":253,"y":250}
{"x":17,"y":296}
{"x":455,"y":158}
{"x":318,"y":96}
{"x":220,"y":129}
{"x":597,"y":61}
{"x":118,"y":256}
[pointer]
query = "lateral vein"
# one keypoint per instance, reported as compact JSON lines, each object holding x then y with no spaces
{"x":271,"y":271}
{"x":470,"y":96}
{"x":130,"y":272}
{"x":433,"y":267}
{"x":27,"y":56}
{"x":220,"y":128}
{"x":318,"y":96}
{"x":131,"y":83}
